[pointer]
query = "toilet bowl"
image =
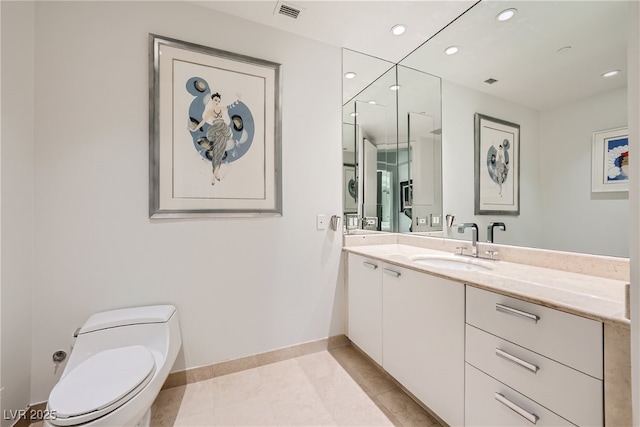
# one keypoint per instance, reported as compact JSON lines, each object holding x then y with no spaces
{"x":118,"y":364}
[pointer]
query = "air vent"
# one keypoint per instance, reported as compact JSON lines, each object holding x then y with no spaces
{"x":288,"y":9}
{"x":490,"y":81}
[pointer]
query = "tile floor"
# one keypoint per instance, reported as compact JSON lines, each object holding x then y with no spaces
{"x":339,"y":387}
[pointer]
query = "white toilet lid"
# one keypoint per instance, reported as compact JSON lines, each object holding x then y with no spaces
{"x":100,"y":384}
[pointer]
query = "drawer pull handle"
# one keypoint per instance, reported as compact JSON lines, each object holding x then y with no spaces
{"x":391,"y":272}
{"x":532,"y":418}
{"x":517,"y":361}
{"x":370,"y":265}
{"x":515,"y":312}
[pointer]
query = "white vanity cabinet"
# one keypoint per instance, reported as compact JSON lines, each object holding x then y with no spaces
{"x":423,"y":338}
{"x":365,"y":305}
{"x":528,"y":364}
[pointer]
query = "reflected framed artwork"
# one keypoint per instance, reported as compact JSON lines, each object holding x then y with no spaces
{"x":215,"y":132}
{"x":497,"y":166}
{"x":610,"y":160}
{"x":350,"y":191}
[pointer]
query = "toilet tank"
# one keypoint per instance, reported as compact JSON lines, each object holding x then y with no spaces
{"x":127,"y":317}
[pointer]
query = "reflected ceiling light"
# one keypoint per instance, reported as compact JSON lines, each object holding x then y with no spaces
{"x":398,"y":29}
{"x":451,"y":50}
{"x":372,"y":102}
{"x":353,"y":114}
{"x":394,"y":87}
{"x":349,"y":75}
{"x":506,"y":14}
{"x":611,"y":73}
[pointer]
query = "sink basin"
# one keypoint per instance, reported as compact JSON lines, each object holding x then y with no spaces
{"x":459,"y":263}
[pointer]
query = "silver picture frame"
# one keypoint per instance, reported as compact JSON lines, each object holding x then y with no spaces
{"x":209,"y":157}
{"x":497,"y":166}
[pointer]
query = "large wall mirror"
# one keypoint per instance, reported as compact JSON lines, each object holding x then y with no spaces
{"x":542,"y":70}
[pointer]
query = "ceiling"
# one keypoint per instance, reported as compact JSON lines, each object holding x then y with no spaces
{"x":363,"y":26}
{"x":521,"y":54}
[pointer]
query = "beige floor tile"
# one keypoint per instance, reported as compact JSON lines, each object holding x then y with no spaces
{"x":255,"y":411}
{"x":340,"y":387}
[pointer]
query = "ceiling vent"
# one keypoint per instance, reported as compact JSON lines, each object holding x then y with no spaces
{"x":490,"y":81}
{"x":288,"y":9}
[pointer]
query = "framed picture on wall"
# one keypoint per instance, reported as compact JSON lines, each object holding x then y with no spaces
{"x":497,"y":166}
{"x":610,"y":160}
{"x":350,"y":189}
{"x":215,"y":133}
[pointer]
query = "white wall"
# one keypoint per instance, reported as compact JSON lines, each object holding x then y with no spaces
{"x":242,"y":286}
{"x":16,"y":228}
{"x":574,"y":218}
{"x":459,"y":104}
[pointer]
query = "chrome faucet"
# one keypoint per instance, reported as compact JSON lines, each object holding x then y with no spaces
{"x":490,"y":228}
{"x":474,"y":235}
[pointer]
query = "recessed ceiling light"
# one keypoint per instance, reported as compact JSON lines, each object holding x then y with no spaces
{"x":349,"y":75}
{"x":451,"y":50}
{"x":372,"y":102}
{"x":611,"y":73}
{"x":398,"y":29}
{"x":506,"y":14}
{"x":394,"y":87}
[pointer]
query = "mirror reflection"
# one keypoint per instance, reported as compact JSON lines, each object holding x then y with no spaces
{"x":542,"y":70}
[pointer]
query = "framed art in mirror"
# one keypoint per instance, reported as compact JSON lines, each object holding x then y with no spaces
{"x":497,"y":166}
{"x":215,"y":133}
{"x":350,"y":191}
{"x":610,"y":160}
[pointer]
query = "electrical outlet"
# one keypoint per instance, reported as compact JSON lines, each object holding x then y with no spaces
{"x":321,"y":222}
{"x":422,"y":221}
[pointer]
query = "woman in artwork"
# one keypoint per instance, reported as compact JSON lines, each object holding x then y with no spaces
{"x":218,"y":133}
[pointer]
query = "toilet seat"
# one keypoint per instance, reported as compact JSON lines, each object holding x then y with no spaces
{"x":101,"y":384}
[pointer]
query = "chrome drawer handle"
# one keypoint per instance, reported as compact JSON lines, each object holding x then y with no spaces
{"x":391,"y":272}
{"x":517,"y":361}
{"x":370,"y":265}
{"x":532,"y":418}
{"x":515,"y":312}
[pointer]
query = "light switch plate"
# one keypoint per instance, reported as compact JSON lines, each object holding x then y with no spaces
{"x":321,"y":222}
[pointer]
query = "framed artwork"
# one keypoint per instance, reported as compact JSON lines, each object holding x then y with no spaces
{"x":406,"y":195}
{"x":350,"y":190}
{"x":215,"y":133}
{"x":610,"y":160}
{"x":497,"y":166}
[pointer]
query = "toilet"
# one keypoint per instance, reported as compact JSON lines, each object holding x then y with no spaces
{"x":119,"y":362}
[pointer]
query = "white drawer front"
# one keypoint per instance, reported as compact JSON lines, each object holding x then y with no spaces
{"x":482,"y":407}
{"x":572,"y":340}
{"x":570,"y":393}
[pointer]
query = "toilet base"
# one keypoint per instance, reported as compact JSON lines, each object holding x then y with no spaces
{"x":146,"y":419}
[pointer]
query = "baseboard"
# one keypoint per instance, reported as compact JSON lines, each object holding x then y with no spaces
{"x":202,"y":373}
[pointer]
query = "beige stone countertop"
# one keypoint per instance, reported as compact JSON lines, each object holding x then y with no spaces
{"x":592,"y":297}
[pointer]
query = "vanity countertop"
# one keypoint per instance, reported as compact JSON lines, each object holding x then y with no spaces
{"x":597,"y":298}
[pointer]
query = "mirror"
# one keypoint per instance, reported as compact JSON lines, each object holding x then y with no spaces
{"x":546,"y":65}
{"x":392,"y":144}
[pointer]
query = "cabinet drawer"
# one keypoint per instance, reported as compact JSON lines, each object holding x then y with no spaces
{"x":482,"y":407}
{"x":572,"y":340}
{"x":563,"y":390}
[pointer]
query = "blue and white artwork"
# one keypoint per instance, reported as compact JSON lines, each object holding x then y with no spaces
{"x":498,"y":163}
{"x":220,"y":134}
{"x":616,"y":159}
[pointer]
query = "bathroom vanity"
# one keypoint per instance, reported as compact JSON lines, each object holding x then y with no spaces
{"x":498,"y":343}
